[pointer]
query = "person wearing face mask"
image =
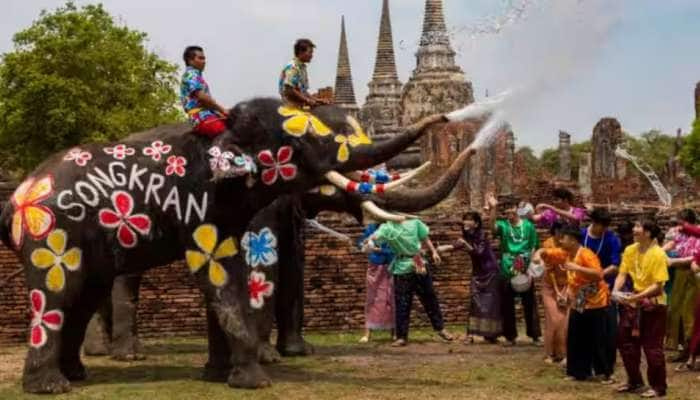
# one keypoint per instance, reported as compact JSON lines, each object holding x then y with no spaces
{"x":518,"y":240}
{"x":485,"y":305}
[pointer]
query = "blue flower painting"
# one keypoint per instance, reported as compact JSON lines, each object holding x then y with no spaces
{"x":260,"y":248}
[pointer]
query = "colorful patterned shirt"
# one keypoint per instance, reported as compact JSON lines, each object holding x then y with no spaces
{"x":193,"y":81}
{"x":549,"y":217}
{"x":294,"y":74}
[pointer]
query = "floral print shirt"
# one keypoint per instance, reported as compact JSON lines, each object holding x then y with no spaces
{"x":294,"y":74}
{"x":193,"y":81}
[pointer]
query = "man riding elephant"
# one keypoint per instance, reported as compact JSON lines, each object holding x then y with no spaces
{"x":95,"y":212}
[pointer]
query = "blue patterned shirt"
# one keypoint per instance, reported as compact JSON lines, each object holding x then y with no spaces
{"x":294,"y":74}
{"x":193,"y":81}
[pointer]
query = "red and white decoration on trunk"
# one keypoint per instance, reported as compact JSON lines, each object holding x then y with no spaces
{"x":258,"y":289}
{"x":120,"y":151}
{"x":41,"y":320}
{"x":123,"y":221}
{"x":277,"y":166}
{"x":156,"y":150}
{"x":80,"y":156}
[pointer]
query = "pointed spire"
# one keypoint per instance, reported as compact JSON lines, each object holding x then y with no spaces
{"x":385,"y":64}
{"x":344,"y":91}
{"x":434,"y":28}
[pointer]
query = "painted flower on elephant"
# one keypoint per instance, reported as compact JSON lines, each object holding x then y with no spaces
{"x":55,"y":258}
{"x":206,"y":238}
{"x":356,"y":138}
{"x":261,"y":248}
{"x":299,"y":122}
{"x":80,"y":156}
{"x":41,"y":320}
{"x":258,"y":289}
{"x":220,"y":160}
{"x":176,"y":165}
{"x":35,"y":218}
{"x":279,"y":166}
{"x":123,"y":221}
{"x":156,"y":150}
{"x":120,"y":151}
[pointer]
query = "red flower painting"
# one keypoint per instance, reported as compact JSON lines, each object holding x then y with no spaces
{"x":122,"y":219}
{"x":41,"y":320}
{"x":279,"y":166}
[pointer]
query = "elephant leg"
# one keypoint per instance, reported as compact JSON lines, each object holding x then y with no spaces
{"x":77,"y":318}
{"x":289,"y":297}
{"x":42,"y":373}
{"x":242,"y":336}
{"x":98,"y":335}
{"x":267,"y":354}
{"x":125,"y":297}
{"x":218,"y":367}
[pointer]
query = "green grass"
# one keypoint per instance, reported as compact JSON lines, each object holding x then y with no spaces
{"x":341,"y":369}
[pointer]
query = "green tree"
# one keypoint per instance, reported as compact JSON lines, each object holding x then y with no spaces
{"x":529,"y":160}
{"x":690,"y":153}
{"x":652,"y":147}
{"x":76,"y":76}
{"x":549,"y":159}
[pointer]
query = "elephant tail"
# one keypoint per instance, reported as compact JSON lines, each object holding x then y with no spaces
{"x":5,"y":222}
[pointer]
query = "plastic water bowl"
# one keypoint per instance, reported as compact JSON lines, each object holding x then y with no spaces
{"x":521,"y":283}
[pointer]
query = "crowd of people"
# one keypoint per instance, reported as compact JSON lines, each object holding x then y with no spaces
{"x":603,"y":291}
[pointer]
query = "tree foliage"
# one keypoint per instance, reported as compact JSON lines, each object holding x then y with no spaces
{"x":652,"y":147}
{"x":690,"y":154}
{"x":76,"y":76}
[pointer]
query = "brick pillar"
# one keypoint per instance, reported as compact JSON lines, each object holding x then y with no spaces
{"x":505,"y":176}
{"x":475,"y":179}
{"x":584,"y":175}
{"x":564,"y":156}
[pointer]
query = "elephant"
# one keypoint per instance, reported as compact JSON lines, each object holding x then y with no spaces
{"x":286,"y":219}
{"x":98,"y":211}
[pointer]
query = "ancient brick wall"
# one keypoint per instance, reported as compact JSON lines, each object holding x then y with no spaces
{"x":335,"y":287}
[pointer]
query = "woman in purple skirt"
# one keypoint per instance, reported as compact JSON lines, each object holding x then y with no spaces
{"x":485,"y":306}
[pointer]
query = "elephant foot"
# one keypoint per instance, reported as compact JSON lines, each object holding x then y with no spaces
{"x":213,"y":373}
{"x":296,"y":348}
{"x":127,"y":350}
{"x":268,"y":354}
{"x":74,"y":371}
{"x":51,"y":381}
{"x":248,"y":376}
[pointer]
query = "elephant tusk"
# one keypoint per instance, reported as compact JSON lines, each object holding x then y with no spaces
{"x":381,"y":214}
{"x":409,"y":175}
{"x":352,"y":186}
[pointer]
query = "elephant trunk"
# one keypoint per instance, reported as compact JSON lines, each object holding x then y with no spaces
{"x":364,"y":157}
{"x":413,"y":200}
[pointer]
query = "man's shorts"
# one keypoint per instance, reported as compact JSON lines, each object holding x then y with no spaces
{"x":211,"y":127}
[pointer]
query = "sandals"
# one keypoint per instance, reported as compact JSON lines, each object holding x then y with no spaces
{"x":446,"y":336}
{"x":627,"y":388}
{"x":364,"y":339}
{"x":399,"y":343}
{"x":685,"y":367}
{"x":650,"y":394}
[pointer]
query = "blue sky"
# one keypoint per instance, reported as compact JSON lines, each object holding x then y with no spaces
{"x":575,"y":61}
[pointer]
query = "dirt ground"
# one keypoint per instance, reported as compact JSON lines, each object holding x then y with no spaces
{"x":343,"y":369}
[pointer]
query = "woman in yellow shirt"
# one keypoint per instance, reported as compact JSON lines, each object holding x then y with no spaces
{"x":643,"y":312}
